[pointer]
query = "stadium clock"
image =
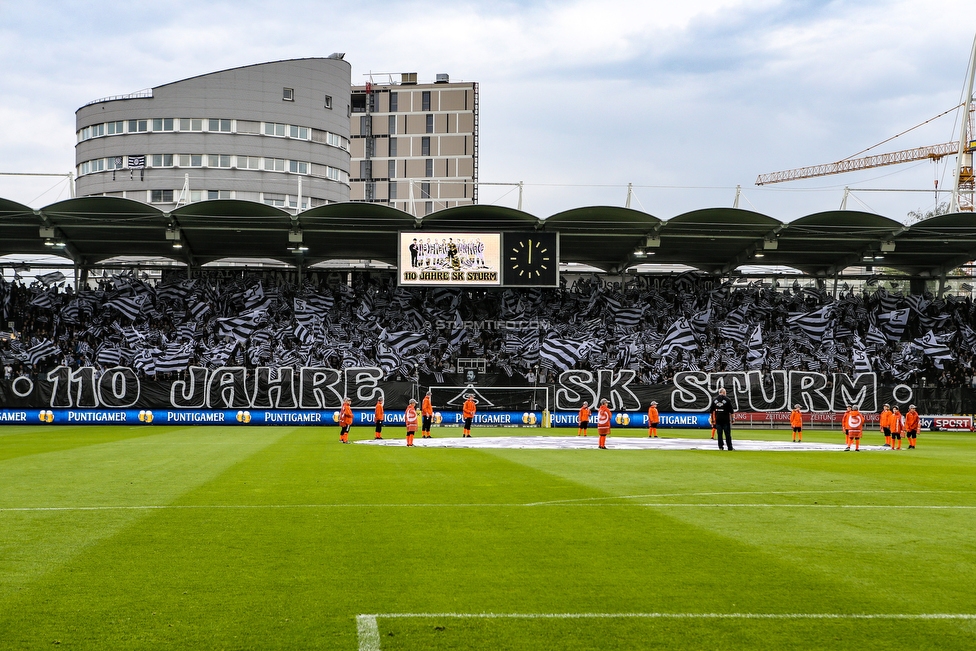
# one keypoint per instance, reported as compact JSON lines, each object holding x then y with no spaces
{"x":530,"y":259}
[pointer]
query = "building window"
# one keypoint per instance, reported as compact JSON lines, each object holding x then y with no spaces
{"x":428,"y":207}
{"x":249,"y":162}
{"x":332,"y":173}
{"x":358,"y":101}
{"x":90,"y":166}
{"x":218,"y":160}
{"x":425,"y":100}
{"x":391,"y":173}
{"x":370,"y":190}
{"x":297,"y":167}
{"x":162,"y":124}
{"x":393,"y":147}
{"x":430,"y":123}
{"x":364,"y":169}
{"x":335,"y":140}
{"x":298,"y":132}
{"x":138,"y":126}
{"x":277,"y":200}
{"x":219,"y":125}
{"x":425,"y":146}
{"x":364,"y":129}
{"x":429,"y":167}
{"x":218,"y":194}
{"x":274,"y":129}
{"x":162,"y":160}
{"x":392,"y":127}
{"x":191,"y":160}
{"x":160,"y":196}
{"x":288,"y":94}
{"x":425,"y":190}
{"x":116,"y":128}
{"x":191,"y":124}
{"x":393,"y":103}
{"x":274,"y":164}
{"x":393,"y":190}
{"x":328,"y":102}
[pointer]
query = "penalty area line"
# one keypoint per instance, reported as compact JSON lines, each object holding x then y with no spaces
{"x":369,"y":634}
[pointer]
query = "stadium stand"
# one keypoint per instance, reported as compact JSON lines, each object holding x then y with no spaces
{"x":655,"y":325}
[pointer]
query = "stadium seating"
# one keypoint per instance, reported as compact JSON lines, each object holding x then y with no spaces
{"x":656,"y":326}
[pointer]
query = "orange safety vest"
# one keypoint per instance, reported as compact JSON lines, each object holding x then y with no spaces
{"x":911,"y":421}
{"x":603,"y":419}
{"x":379,"y":412}
{"x":345,"y":415}
{"x":469,"y":408}
{"x":652,"y":415}
{"x":896,"y":422}
{"x":796,"y":418}
{"x":885,"y":419}
{"x":584,"y":415}
{"x":854,"y":421}
{"x":410,"y":418}
{"x":425,"y":408}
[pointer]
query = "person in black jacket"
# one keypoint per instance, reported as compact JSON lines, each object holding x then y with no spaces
{"x":722,"y":410}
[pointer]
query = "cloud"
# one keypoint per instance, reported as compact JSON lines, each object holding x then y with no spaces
{"x":577,"y":98}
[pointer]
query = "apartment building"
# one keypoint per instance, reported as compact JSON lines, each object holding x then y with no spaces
{"x":414,"y":146}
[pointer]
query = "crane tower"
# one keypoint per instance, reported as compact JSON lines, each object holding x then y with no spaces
{"x":963,"y":180}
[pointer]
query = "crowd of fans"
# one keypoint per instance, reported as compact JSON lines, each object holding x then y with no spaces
{"x":656,"y":326}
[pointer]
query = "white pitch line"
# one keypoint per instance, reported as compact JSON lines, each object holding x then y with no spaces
{"x":734,"y":505}
{"x":369,"y":635}
{"x":882,"y":616}
{"x":710,"y":493}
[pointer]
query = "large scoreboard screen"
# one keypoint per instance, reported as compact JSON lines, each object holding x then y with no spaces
{"x":457,"y":259}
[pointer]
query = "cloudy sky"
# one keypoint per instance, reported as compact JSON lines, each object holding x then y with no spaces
{"x":684,"y":100}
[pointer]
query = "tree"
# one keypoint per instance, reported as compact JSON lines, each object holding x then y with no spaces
{"x":915,"y":216}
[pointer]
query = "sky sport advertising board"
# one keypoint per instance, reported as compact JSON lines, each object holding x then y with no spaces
{"x":450,"y":259}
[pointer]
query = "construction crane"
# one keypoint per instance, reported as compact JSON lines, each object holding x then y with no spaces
{"x":932,"y":152}
{"x":962,"y":194}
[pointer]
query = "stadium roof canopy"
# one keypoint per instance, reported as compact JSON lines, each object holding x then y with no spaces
{"x":91,"y":230}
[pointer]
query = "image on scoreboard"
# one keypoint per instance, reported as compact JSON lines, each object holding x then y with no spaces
{"x":449,"y":259}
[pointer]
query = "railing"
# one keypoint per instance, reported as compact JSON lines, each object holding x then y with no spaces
{"x":139,"y":94}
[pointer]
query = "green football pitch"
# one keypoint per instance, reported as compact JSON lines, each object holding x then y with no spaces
{"x":282,"y":538}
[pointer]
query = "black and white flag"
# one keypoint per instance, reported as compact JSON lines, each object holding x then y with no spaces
{"x":679,"y":336}
{"x":561,"y":354}
{"x":893,"y":323}
{"x":813,"y":324}
{"x":43,"y":350}
{"x":129,"y":306}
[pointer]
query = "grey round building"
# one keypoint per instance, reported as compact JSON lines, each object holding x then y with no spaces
{"x":276,"y":133}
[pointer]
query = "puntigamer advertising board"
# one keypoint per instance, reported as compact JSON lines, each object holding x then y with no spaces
{"x":450,"y":259}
